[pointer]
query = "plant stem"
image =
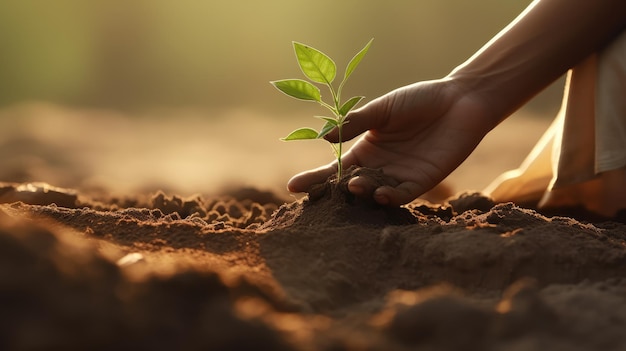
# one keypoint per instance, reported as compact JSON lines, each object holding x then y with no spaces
{"x":335,"y":97}
{"x":334,"y":110}
{"x":339,"y":91}
{"x":339,"y":152}
{"x":340,"y":119}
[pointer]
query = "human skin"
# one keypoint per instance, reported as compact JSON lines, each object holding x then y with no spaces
{"x":420,"y":133}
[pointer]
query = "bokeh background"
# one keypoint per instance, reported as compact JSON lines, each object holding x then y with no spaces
{"x":136,"y":95}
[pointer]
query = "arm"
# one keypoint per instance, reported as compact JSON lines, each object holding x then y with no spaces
{"x":546,"y":40}
{"x":420,"y":133}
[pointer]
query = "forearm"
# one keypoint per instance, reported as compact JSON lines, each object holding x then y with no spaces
{"x":550,"y":37}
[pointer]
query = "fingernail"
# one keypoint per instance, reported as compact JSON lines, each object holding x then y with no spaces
{"x":381,"y":199}
{"x":356,"y":189}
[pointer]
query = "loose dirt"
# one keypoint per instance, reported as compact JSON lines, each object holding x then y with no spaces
{"x":249,"y":270}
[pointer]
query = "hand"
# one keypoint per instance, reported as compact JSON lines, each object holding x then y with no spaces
{"x":417,"y":134}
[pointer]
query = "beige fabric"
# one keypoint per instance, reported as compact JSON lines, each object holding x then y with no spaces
{"x":611,"y":107}
{"x":581,"y":159}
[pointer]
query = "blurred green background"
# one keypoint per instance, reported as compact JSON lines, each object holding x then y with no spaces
{"x":128,"y":54}
{"x":194,"y":76}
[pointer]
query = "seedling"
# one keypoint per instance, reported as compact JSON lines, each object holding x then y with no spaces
{"x":321,"y":69}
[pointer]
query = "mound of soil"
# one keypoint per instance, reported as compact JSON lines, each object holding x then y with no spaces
{"x":247,"y":271}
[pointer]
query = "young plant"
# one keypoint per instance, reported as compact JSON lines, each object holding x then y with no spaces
{"x":321,"y":69}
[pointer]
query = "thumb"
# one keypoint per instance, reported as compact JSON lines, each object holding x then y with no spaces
{"x":301,"y":182}
{"x":360,"y":120}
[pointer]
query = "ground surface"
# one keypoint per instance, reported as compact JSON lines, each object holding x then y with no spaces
{"x":248,"y":271}
{"x":124,"y":257}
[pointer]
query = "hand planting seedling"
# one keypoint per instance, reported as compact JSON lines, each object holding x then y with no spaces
{"x":319,"y":68}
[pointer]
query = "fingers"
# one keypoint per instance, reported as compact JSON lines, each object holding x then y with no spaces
{"x":363,"y":187}
{"x":358,"y":121}
{"x":385,"y":195}
{"x":301,"y":182}
{"x":400,"y":195}
{"x":360,"y":186}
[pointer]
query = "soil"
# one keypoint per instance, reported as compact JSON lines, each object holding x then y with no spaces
{"x":250,"y":271}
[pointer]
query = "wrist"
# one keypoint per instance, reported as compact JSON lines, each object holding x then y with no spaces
{"x":472,"y":90}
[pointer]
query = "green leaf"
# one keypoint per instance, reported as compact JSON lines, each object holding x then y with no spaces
{"x":349,"y":105}
{"x":299,"y":89}
{"x":326,"y":129}
{"x":356,"y":60}
{"x":331,"y":120}
{"x":330,"y":124}
{"x":315,"y":64}
{"x":301,"y":134}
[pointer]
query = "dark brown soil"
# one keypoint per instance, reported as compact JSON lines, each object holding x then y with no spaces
{"x":247,"y":271}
